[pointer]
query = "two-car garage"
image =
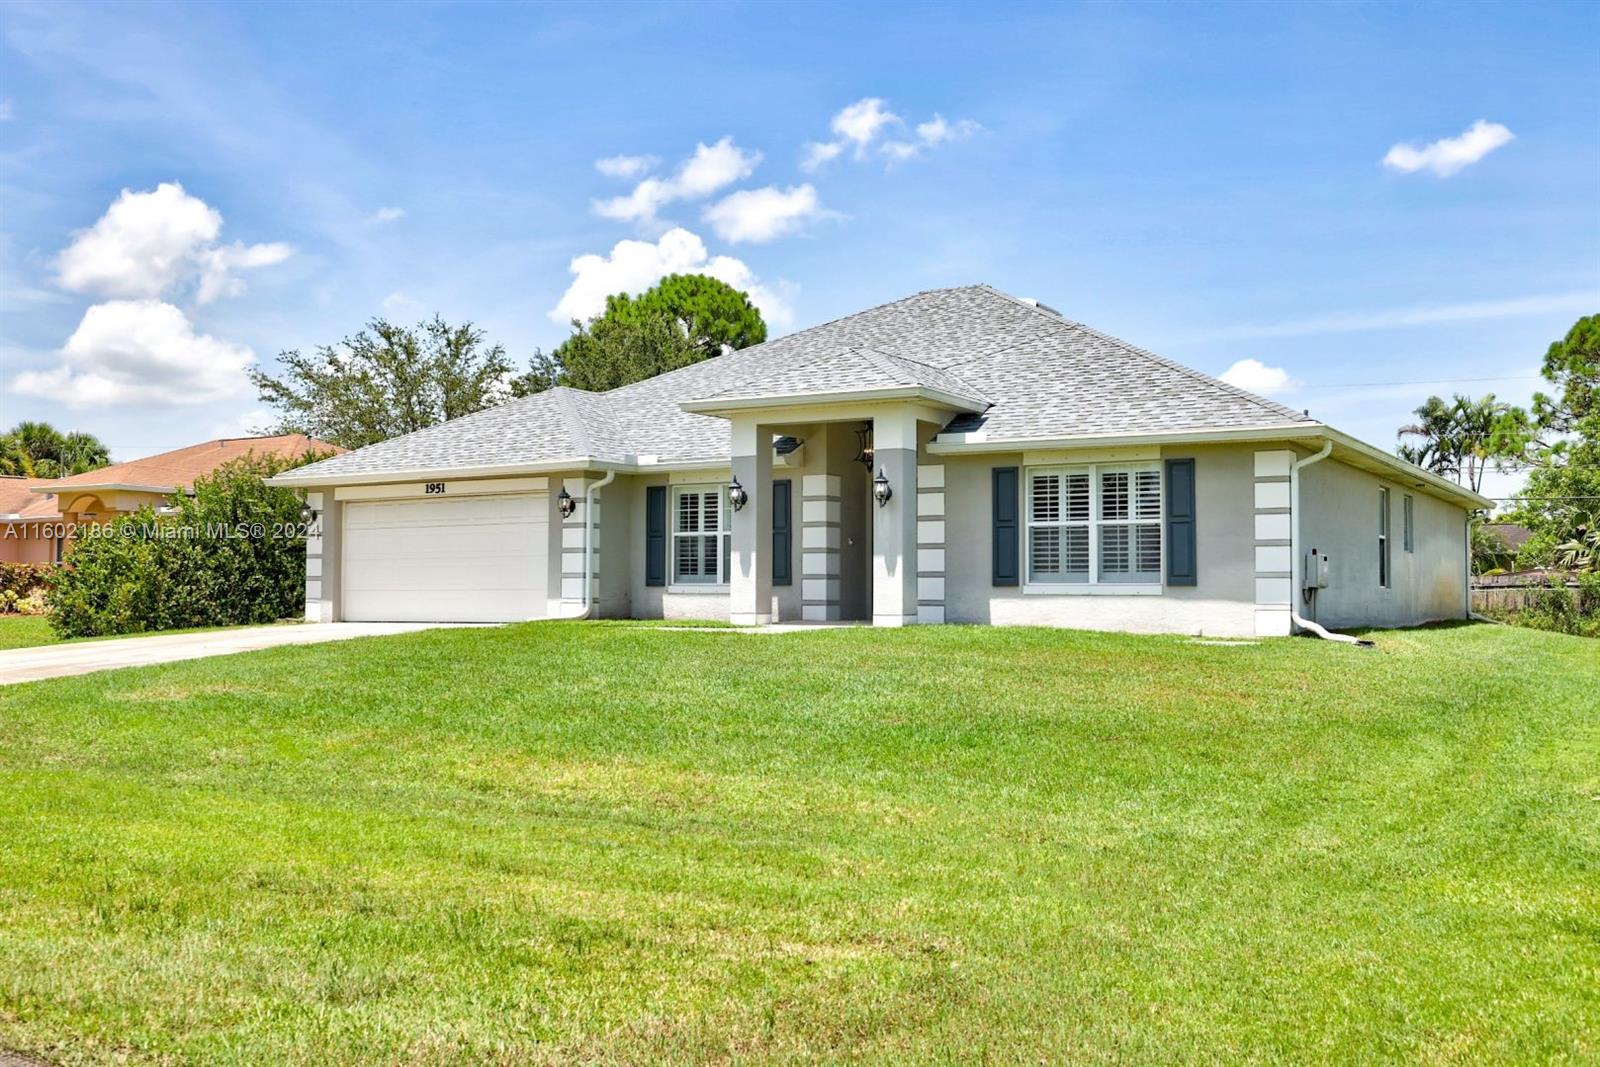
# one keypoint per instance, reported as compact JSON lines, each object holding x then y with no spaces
{"x":446,"y":558}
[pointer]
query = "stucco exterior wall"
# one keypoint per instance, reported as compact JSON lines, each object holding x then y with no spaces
{"x":828,"y":449}
{"x":28,"y":542}
{"x":1222,"y":603}
{"x":1339,"y":517}
{"x":664,"y":601}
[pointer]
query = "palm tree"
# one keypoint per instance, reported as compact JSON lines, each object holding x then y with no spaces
{"x":1475,"y":423}
{"x":1456,"y":439}
{"x":1437,"y":450}
{"x":83,"y":452}
{"x":39,"y":450}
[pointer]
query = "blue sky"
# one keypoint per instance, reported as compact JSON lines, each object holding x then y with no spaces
{"x":1205,"y":181}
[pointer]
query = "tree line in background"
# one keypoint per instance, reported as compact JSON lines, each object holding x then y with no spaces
{"x":389,"y":380}
{"x":39,"y":450}
{"x":1556,"y":441}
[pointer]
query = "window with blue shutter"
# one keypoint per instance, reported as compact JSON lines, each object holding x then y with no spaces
{"x":1007,"y":536}
{"x":782,"y":534}
{"x":1183,"y":564}
{"x":655,"y":535}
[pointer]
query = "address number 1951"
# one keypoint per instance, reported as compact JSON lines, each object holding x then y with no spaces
{"x":433,"y":488}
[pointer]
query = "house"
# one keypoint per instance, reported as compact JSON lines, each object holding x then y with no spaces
{"x":30,"y":524}
{"x":123,"y":488}
{"x":960,"y":455}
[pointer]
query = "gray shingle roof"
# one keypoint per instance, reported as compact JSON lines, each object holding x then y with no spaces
{"x":854,"y":368}
{"x":1043,"y":376}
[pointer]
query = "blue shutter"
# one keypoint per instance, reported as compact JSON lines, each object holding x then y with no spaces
{"x":1007,"y":540}
{"x":655,"y":535}
{"x":1183,"y":563}
{"x":782,"y":534}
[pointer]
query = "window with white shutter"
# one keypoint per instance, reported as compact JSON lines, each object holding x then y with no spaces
{"x":1058,"y":526}
{"x":1095,"y":524}
{"x":702,"y":536}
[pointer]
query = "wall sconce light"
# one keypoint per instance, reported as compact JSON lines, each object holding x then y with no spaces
{"x":565,"y":504}
{"x":308,"y":514}
{"x":880,"y":488}
{"x":736,"y":494}
{"x":864,"y":445}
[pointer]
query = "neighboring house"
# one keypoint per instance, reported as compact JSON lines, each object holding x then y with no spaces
{"x":1028,"y":470}
{"x":30,"y":524}
{"x":1513,"y":534}
{"x":123,"y":488}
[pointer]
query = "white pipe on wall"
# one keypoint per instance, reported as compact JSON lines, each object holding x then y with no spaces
{"x":1296,"y":562}
{"x":589,"y":598}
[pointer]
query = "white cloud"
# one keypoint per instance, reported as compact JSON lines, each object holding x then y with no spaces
{"x":398,"y":303}
{"x":388,"y":214}
{"x":218,"y":264}
{"x":866,"y":123}
{"x":818,"y":153}
{"x":1450,"y":154}
{"x":861,"y":122}
{"x":626,"y":166}
{"x":246,"y":424}
{"x":1256,"y":377}
{"x":140,"y":352}
{"x":634,"y":266}
{"x":760,"y":215}
{"x":710,"y":168}
{"x":147,"y":244}
{"x":899,"y":151}
{"x":936,"y":130}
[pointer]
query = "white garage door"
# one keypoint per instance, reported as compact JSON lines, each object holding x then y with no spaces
{"x":467,"y":559}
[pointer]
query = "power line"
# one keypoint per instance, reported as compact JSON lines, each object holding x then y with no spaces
{"x":1425,"y":381}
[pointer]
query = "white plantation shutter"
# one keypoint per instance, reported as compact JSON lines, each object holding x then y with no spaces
{"x":700,"y":536}
{"x":1130,"y":525}
{"x":1058,"y":526}
{"x":1108,"y":516}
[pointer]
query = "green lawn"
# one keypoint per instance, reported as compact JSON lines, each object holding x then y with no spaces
{"x":593,"y":842}
{"x":25,"y":631}
{"x":30,"y":631}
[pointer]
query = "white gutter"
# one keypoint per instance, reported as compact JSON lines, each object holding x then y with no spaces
{"x":1296,"y":564}
{"x":636,"y":465}
{"x":589,"y":599}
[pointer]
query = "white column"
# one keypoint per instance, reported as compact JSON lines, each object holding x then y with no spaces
{"x":571,"y":540}
{"x":750,"y":584}
{"x":930,"y":543}
{"x":322,"y":558}
{"x":894,"y":525}
{"x":1275,"y":590}
{"x":819,"y":543}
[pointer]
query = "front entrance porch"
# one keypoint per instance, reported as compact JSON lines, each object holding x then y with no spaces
{"x":858,"y":556}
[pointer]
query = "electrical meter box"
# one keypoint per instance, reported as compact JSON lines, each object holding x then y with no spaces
{"x":1316,"y":572}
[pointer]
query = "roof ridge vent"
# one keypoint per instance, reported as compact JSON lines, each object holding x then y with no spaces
{"x":1031,"y":302}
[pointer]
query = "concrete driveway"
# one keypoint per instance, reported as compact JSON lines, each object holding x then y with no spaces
{"x":82,"y":657}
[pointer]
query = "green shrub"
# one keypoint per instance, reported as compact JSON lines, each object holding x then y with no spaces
{"x":231,"y":553}
{"x":21,"y":584}
{"x":1562,"y":608}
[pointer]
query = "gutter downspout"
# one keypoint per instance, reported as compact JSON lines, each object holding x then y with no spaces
{"x":589,"y":599}
{"x":1296,"y":563}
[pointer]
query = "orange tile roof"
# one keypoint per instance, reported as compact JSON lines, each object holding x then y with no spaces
{"x":18,"y":498}
{"x":179,"y":469}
